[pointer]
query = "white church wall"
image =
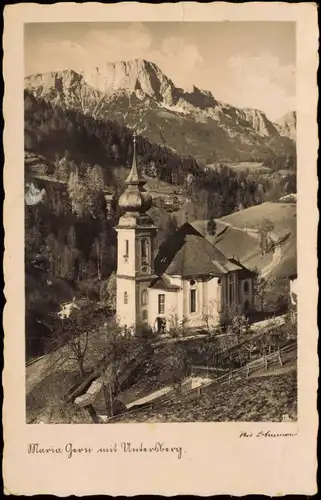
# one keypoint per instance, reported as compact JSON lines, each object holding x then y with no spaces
{"x":170,"y":307}
{"x":206,"y":311}
{"x":126,"y":302}
{"x":179,"y":310}
{"x":175,"y":280}
{"x":126,"y":264}
{"x":143,"y":301}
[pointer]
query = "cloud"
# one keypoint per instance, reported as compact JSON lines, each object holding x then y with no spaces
{"x":173,"y":50}
{"x":262,"y":82}
{"x":97,"y":47}
{"x":136,"y":41}
{"x":118,"y":44}
{"x":53,"y":55}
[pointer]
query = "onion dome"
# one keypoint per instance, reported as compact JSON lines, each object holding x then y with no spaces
{"x":135,"y":198}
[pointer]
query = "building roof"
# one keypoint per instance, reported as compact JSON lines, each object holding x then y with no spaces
{"x":187,"y":253}
{"x":244,"y":272}
{"x":163,"y":283}
{"x":135,"y":198}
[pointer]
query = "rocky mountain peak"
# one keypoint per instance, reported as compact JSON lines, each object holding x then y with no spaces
{"x":132,"y":75}
{"x":286,"y":125}
{"x":260,"y":122}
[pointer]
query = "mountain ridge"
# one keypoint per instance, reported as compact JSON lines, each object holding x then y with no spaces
{"x":138,"y":94}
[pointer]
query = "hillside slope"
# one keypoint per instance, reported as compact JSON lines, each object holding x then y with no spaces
{"x":283,"y":218}
{"x":259,"y":399}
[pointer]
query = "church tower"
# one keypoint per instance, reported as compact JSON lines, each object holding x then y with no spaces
{"x":135,"y":251}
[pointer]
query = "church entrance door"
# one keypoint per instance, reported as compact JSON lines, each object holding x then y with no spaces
{"x":161,"y":325}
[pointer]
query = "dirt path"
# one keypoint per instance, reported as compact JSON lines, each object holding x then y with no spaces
{"x":276,"y":259}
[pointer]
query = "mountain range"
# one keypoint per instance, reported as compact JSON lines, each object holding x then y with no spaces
{"x":138,"y":94}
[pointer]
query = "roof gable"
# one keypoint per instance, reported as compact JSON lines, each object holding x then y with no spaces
{"x":187,"y":253}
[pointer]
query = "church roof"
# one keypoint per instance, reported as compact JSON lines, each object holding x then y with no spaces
{"x":244,"y":271}
{"x":163,"y":283}
{"x":135,"y":198}
{"x":187,"y":253}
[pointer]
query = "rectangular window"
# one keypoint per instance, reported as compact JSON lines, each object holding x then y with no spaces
{"x":231,"y":291}
{"x":161,"y":303}
{"x":193,"y":301}
{"x":126,"y":248}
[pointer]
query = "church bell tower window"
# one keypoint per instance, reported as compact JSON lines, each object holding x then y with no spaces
{"x":126,"y":254}
{"x":144,"y":298}
{"x":144,"y":251}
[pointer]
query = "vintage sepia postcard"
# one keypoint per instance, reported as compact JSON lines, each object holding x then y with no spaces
{"x":160,"y":248}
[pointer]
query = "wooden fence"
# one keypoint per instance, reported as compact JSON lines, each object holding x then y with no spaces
{"x":239,"y":373}
{"x":262,"y":363}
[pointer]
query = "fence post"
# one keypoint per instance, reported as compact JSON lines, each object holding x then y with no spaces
{"x":265,"y":362}
{"x":280,"y":359}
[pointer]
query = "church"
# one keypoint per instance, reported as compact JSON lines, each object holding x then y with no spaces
{"x":189,"y":282}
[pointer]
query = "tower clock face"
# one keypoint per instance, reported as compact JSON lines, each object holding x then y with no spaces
{"x":145,"y":269}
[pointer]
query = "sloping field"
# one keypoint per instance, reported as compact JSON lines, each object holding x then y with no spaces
{"x":235,"y":243}
{"x":282,"y":215}
{"x":265,"y":399}
{"x":160,"y":186}
{"x":252,"y":166}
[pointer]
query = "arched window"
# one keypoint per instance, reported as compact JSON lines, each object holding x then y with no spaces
{"x":246,"y":287}
{"x":144,"y":251}
{"x":193,"y":300}
{"x":193,"y":304}
{"x":125,"y":298}
{"x":144,"y":298}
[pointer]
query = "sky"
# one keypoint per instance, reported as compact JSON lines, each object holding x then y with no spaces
{"x":246,"y":64}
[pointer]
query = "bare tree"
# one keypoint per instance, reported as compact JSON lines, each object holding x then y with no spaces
{"x":177,"y":327}
{"x":265,"y":229}
{"x":108,"y":292}
{"x":173,"y":367}
{"x":209,"y":316}
{"x":75,"y":333}
{"x":260,"y":291}
{"x":240,"y":326}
